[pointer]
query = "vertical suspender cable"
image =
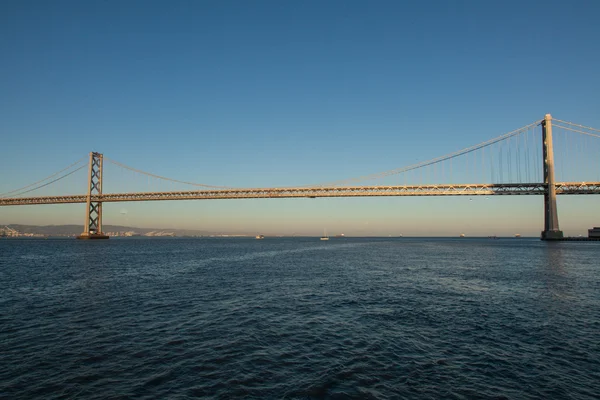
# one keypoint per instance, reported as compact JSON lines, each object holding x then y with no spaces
{"x":501,"y":166}
{"x":537,"y":159}
{"x":525,"y":157}
{"x":509,"y":155}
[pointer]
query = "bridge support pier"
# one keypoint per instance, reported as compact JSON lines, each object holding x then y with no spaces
{"x":92,"y":228}
{"x":551,"y":230}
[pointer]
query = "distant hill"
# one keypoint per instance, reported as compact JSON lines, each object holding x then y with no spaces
{"x":69,"y":230}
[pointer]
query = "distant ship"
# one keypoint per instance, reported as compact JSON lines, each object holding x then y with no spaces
{"x":324,"y":237}
{"x":340,"y":235}
{"x":462,"y":235}
{"x":259,"y":237}
{"x":517,"y":235}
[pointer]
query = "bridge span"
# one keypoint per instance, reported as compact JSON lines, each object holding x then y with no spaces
{"x":501,"y":189}
{"x":507,"y":163}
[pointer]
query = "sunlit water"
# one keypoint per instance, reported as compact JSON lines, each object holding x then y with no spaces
{"x":299,"y":318}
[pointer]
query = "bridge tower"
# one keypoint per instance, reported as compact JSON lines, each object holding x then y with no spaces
{"x":92,"y":228}
{"x":551,"y":230}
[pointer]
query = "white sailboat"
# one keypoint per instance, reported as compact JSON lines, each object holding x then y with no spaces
{"x":324,"y":237}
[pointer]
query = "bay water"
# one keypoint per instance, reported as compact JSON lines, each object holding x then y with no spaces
{"x":367,"y":318}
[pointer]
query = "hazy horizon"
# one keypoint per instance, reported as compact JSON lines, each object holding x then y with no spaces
{"x":445,"y":216}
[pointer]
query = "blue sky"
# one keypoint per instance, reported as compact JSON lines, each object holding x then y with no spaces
{"x":282,"y":93}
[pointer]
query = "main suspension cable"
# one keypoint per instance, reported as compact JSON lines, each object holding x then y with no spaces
{"x":432,"y":161}
{"x":45,"y":179}
{"x":575,"y":130}
{"x":162,"y":177}
{"x":577,"y":125}
{"x":48,"y":183}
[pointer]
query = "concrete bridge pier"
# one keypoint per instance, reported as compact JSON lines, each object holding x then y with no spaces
{"x":551,"y":230}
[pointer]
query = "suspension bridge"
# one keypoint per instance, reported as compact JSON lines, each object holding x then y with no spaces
{"x":521,"y":162}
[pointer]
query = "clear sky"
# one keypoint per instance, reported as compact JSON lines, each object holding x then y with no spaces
{"x":284,"y":93}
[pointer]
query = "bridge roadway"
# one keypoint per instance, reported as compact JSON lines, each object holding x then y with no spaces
{"x":313,"y":192}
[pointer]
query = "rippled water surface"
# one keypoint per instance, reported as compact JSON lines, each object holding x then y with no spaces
{"x":299,"y":318}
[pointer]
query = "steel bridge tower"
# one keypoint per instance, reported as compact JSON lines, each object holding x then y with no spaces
{"x":551,"y":230}
{"x":93,"y":212}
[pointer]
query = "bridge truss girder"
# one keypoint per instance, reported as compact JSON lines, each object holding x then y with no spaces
{"x":507,"y":189}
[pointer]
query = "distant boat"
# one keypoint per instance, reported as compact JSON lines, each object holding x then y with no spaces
{"x":462,"y":235}
{"x":324,"y":237}
{"x":259,"y":237}
{"x":517,"y":235}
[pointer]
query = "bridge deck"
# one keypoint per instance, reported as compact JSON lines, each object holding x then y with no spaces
{"x":313,"y":192}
